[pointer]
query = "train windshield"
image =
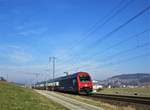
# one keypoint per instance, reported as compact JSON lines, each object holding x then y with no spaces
{"x":84,"y":78}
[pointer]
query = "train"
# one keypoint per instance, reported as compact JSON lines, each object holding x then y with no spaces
{"x":78,"y":83}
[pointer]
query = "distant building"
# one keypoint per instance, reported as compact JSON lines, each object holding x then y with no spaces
{"x":131,"y":86}
{"x":109,"y":86}
{"x":124,"y":86}
{"x":96,"y":86}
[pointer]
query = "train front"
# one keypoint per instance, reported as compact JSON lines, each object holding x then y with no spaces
{"x":85,"y":85}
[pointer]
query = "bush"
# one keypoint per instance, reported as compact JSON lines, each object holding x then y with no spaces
{"x":99,"y":89}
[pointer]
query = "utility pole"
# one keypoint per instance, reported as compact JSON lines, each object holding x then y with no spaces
{"x":36,"y":77}
{"x":54,"y":58}
{"x":46,"y":83}
{"x":7,"y":77}
{"x":53,"y":61}
{"x":36,"y":80}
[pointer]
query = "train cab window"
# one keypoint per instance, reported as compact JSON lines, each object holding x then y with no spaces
{"x":84,"y":78}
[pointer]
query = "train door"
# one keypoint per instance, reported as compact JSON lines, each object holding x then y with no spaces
{"x":75,"y":85}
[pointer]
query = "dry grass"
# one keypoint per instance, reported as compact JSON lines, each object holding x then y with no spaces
{"x":139,"y":91}
{"x":129,"y":108}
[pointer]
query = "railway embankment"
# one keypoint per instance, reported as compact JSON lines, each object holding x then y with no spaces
{"x":14,"y":97}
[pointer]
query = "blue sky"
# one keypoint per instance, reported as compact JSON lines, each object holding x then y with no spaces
{"x":31,"y":31}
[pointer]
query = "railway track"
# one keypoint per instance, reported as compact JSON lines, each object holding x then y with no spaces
{"x":133,"y":99}
{"x":69,"y":103}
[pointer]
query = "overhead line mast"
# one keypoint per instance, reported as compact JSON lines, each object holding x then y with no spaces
{"x":53,"y":59}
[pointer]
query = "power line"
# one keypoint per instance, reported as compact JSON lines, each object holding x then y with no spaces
{"x":118,"y":28}
{"x":126,"y":51}
{"x":125,"y":60}
{"x":120,"y":43}
{"x":121,"y":61}
{"x":116,"y":44}
{"x":119,"y":53}
{"x":107,"y":18}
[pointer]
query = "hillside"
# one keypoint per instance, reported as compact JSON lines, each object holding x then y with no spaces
{"x":13,"y":97}
{"x":137,"y":79}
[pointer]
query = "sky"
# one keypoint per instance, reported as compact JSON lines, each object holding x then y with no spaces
{"x":83,"y":35}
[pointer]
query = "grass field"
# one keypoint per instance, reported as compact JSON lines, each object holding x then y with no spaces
{"x":139,"y":91}
{"x":13,"y":97}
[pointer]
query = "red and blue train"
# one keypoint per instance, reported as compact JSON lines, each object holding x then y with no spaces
{"x":80,"y":83}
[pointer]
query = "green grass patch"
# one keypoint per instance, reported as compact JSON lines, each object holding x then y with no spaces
{"x":139,"y":91}
{"x":13,"y":97}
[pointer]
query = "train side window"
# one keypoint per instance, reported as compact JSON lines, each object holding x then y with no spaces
{"x":57,"y":83}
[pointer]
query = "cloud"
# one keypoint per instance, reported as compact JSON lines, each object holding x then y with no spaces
{"x":29,"y":32}
{"x":15,"y":54}
{"x":19,"y":56}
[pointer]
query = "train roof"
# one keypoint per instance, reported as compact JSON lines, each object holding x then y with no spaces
{"x":62,"y":78}
{"x":66,"y":77}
